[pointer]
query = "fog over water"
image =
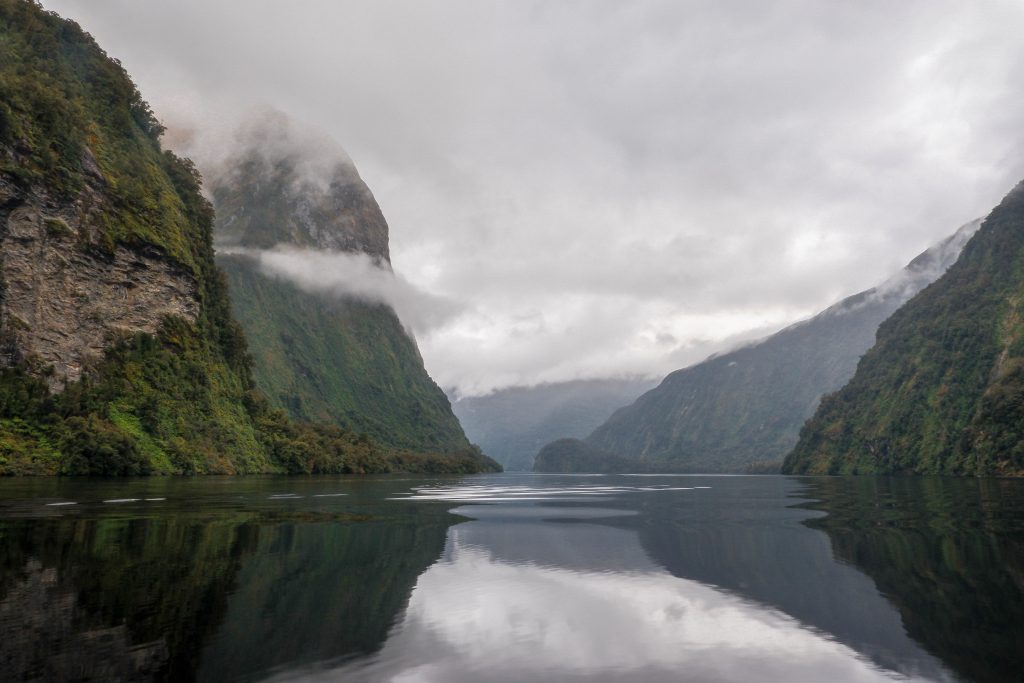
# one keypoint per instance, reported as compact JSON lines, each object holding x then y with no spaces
{"x":605,"y":188}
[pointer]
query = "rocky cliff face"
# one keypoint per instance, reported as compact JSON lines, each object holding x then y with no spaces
{"x":63,"y":299}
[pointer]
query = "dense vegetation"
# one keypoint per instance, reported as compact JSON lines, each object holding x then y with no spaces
{"x":68,"y":111}
{"x":73,"y":126}
{"x":942,"y":391}
{"x":742,"y":411}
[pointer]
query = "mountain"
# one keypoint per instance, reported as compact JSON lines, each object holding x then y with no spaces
{"x":512,"y":424}
{"x":942,"y":390}
{"x":118,"y":351}
{"x":742,"y":411}
{"x":321,"y":356}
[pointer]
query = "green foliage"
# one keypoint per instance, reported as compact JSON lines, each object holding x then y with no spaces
{"x":158,"y":405}
{"x":93,"y":446}
{"x":742,"y":411}
{"x":942,"y":391}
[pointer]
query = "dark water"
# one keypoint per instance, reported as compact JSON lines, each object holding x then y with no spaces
{"x":512,"y":578}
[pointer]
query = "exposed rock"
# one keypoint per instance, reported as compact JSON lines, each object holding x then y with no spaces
{"x":63,"y":300}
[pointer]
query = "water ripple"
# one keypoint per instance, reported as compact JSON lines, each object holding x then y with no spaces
{"x":481,"y":493}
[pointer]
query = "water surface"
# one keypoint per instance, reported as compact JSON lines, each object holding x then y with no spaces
{"x":511,"y":578}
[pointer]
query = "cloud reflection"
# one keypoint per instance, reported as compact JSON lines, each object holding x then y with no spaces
{"x":476,"y":616}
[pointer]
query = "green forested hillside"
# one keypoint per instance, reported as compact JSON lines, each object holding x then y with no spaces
{"x":340,"y":361}
{"x":85,"y":183}
{"x":942,"y":390}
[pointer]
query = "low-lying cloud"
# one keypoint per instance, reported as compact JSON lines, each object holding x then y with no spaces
{"x":355,"y":276}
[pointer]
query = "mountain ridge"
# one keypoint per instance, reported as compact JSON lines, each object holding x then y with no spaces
{"x":742,"y":410}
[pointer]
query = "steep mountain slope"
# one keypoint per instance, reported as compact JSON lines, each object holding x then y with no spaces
{"x":742,"y":411}
{"x":118,"y":352}
{"x":319,"y":356}
{"x":512,"y":424}
{"x":942,"y":390}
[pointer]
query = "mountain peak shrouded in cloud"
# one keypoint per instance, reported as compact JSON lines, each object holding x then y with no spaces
{"x":615,"y":188}
{"x":304,"y":245}
{"x":301,"y":188}
{"x":289,"y":198}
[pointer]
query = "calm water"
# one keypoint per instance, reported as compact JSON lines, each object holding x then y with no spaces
{"x":512,"y":578}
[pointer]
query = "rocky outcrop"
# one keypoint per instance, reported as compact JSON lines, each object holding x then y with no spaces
{"x":107,"y":273}
{"x":65,"y":299}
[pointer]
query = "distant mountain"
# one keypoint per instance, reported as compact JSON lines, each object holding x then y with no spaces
{"x":942,"y":391}
{"x":322,"y":357}
{"x":742,"y":411}
{"x":512,"y":424}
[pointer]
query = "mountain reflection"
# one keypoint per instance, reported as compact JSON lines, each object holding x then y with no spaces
{"x":532,"y":578}
{"x":947,"y":553}
{"x":223,"y":587}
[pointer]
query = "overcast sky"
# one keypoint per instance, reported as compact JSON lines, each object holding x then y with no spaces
{"x":616,"y":187}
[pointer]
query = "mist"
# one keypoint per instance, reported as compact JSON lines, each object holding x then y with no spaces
{"x":355,"y":276}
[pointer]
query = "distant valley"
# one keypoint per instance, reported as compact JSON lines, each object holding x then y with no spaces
{"x":512,"y":424}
